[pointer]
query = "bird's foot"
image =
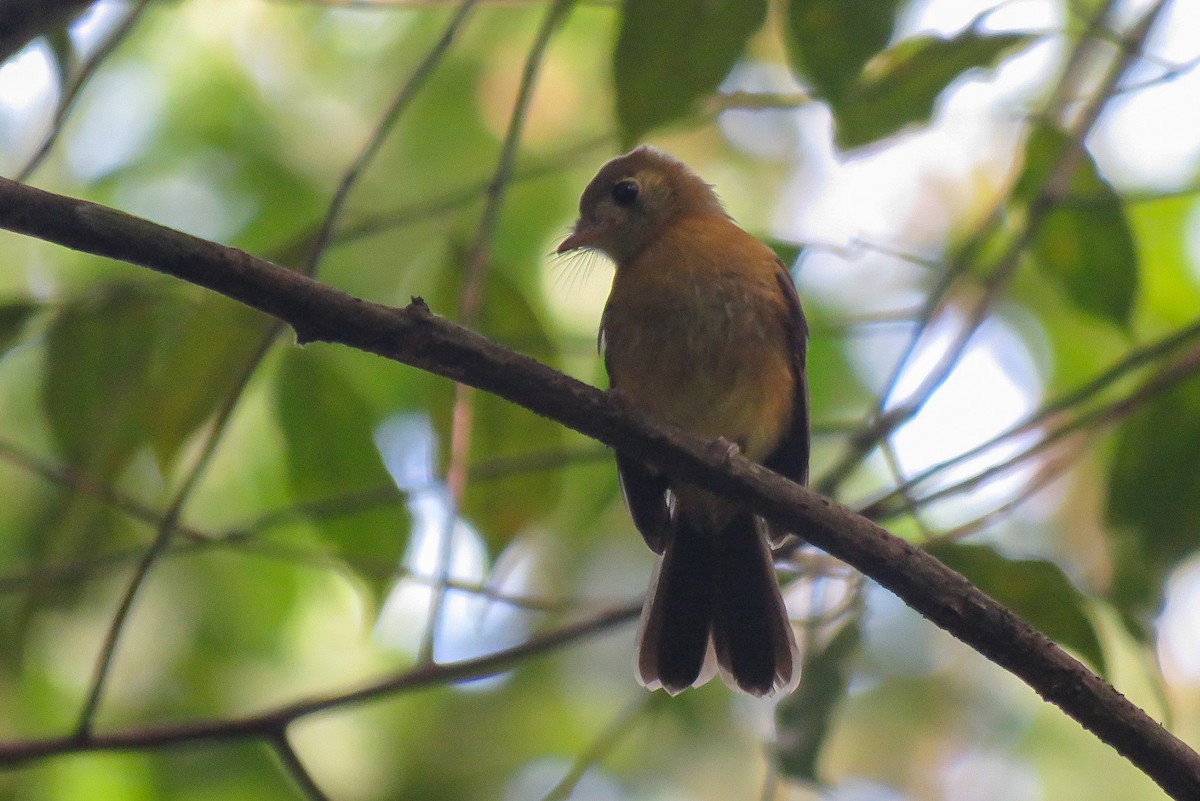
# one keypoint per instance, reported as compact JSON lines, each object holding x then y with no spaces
{"x":725,"y":449}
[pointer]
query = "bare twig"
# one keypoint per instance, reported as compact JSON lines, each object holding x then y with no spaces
{"x":1181,"y":370}
{"x":471,"y":298}
{"x":616,"y":731}
{"x":267,"y":724}
{"x":162,"y":539}
{"x":1050,"y":193}
{"x":1078,"y":396}
{"x":77,"y":480}
{"x":70,"y":92}
{"x":1046,"y":473}
{"x":405,"y":96}
{"x":458,"y":198}
{"x":294,"y":767}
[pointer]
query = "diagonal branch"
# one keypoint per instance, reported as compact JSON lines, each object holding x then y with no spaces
{"x":417,"y":337}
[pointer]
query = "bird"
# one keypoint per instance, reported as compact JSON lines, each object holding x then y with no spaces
{"x":703,"y":329}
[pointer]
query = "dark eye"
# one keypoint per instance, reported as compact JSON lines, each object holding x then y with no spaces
{"x":625,"y":192}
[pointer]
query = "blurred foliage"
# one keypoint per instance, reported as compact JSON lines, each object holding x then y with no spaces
{"x":669,"y":55}
{"x":805,"y":717}
{"x":1155,"y":521}
{"x":831,"y":42}
{"x":1084,"y":245}
{"x":237,"y":120}
{"x":900,"y":85}
{"x":1035,"y":589}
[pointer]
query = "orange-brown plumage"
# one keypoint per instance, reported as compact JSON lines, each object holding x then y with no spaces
{"x":702,"y":329}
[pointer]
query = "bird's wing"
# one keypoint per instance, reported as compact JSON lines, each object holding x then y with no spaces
{"x":644,"y":489}
{"x":790,"y":457}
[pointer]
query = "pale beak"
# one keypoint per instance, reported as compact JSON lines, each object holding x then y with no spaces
{"x":582,"y":236}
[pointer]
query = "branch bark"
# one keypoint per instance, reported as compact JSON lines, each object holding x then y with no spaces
{"x":417,"y":337}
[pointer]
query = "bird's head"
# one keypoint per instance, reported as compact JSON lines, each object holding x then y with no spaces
{"x":633,"y":199}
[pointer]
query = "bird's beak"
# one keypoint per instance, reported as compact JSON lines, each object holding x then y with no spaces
{"x":582,"y":236}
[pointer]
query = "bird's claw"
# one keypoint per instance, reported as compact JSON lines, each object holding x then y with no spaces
{"x":726,"y":449}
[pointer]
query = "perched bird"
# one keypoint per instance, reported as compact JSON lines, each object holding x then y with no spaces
{"x":703,"y":329}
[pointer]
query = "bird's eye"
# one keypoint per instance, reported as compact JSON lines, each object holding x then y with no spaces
{"x":625,"y":192}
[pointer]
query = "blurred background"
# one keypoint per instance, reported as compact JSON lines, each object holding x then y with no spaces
{"x":990,"y":210}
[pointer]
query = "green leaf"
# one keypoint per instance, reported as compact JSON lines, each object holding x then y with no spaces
{"x":329,"y":431}
{"x":787,"y":252}
{"x":1153,"y":513}
{"x":804,"y":718}
{"x":830,"y":41}
{"x":1090,"y":251}
{"x":130,"y":365}
{"x":1037,"y":590}
{"x":503,"y":430}
{"x":198,"y":366}
{"x":13,"y":317}
{"x":900,"y":86}
{"x":670,"y":54}
{"x":96,"y":386}
{"x":1162,"y":229}
{"x":1085,"y":244}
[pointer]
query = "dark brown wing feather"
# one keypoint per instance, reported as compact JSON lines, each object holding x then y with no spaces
{"x":645,"y":492}
{"x":644,"y":488}
{"x":790,"y":457}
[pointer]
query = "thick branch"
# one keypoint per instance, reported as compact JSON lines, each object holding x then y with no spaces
{"x":417,"y":337}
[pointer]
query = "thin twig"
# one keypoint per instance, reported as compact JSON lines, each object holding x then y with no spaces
{"x":241,"y":537}
{"x":1048,"y":196}
{"x":456,"y":199}
{"x":77,"y":480}
{"x":162,"y":539}
{"x":475,"y":273}
{"x":1046,"y":473}
{"x":405,"y":96}
{"x":70,"y":92}
{"x":1183,"y":369}
{"x":1138,"y":358}
{"x":612,"y":735}
{"x":264,"y":725}
{"x":471,"y":300}
{"x":1052,"y":191}
{"x":295,"y":767}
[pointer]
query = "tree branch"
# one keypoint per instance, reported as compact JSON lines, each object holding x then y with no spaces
{"x":415,"y":336}
{"x":268,"y":724}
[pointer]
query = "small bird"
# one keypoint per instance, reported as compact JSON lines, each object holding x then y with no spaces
{"x":703,"y":329}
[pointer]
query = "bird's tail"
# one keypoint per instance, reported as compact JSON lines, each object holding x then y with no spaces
{"x":714,"y":602}
{"x":674,"y":650}
{"x":752,"y":635}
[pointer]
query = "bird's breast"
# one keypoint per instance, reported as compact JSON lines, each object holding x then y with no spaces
{"x":700,"y":339}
